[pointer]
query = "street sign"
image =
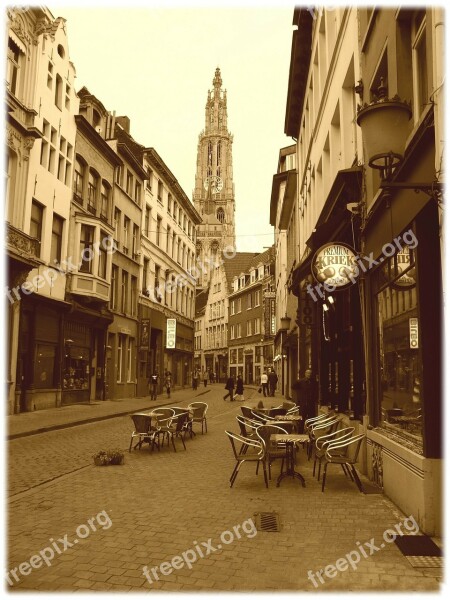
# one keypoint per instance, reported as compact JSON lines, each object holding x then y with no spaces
{"x":171,"y":333}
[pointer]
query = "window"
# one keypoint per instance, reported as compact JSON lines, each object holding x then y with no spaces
{"x":57,"y":231}
{"x":86,"y":245}
{"x":117,"y":215}
{"x":114,"y":284}
{"x":13,"y":73}
{"x":149,"y":183}
{"x":156,"y":284}
{"x":261,"y":272}
{"x":220,"y":215}
{"x":168,"y":236}
{"x":160,"y":191}
{"x":158,"y":231}
{"x":135,"y":247}
{"x":169,"y":204}
{"x":50,"y":76}
{"x":120,"y":342}
{"x":137,"y":192}
{"x":175,"y":211}
{"x":58,"y":91}
{"x":238,"y":305}
{"x":44,"y":366}
{"x":124,"y":298}
{"x":249,"y":328}
{"x":45,"y":144}
{"x":92,"y":192}
{"x":147,"y":221}
{"x":67,"y":97}
{"x":37,"y":213}
{"x":238,"y":330}
{"x":145,"y":275}
{"x":126,"y":233}
{"x":257,"y":326}
{"x":102,"y":255}
{"x":104,"y":202}
{"x":249,"y":300}
{"x":129,"y":188}
{"x":130,"y":360}
{"x":257,"y":298}
{"x":180,"y":217}
{"x":184,"y":223}
{"x":133,"y":295}
{"x":232,"y":332}
{"x":119,"y":175}
{"x":420,"y":72}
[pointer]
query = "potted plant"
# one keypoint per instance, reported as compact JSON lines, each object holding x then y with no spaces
{"x":116,"y":457}
{"x":101,"y":458}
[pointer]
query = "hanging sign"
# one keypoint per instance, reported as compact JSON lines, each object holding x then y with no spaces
{"x":171,"y":333}
{"x":334,"y":264}
{"x":414,"y":332}
{"x":406,"y":281}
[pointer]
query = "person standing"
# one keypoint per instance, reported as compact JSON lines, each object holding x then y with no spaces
{"x":205,"y":378}
{"x":265,"y":383}
{"x":305,"y":395}
{"x":273,"y":380}
{"x":239,"y":388}
{"x":195,"y":379}
{"x":168,"y":383}
{"x":153,"y":382}
{"x":230,"y":387}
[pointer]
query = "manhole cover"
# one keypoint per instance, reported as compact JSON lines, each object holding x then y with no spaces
{"x":267,"y":521}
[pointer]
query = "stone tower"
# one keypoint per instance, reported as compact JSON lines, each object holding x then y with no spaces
{"x":214,"y":188}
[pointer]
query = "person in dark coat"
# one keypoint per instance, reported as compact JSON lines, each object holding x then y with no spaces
{"x":230,"y":387}
{"x":153,"y":384}
{"x":239,"y":388}
{"x":273,"y":380}
{"x":305,"y":395}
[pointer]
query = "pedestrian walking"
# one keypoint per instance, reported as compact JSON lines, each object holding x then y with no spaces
{"x":230,"y":387}
{"x":273,"y":380}
{"x":205,"y":378}
{"x":195,"y":379}
{"x":168,"y":382}
{"x":265,"y":384}
{"x":153,"y":383}
{"x":239,"y":388}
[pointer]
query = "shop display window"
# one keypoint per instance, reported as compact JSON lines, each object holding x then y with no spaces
{"x":44,"y":366}
{"x":400,"y":384}
{"x":76,"y":369}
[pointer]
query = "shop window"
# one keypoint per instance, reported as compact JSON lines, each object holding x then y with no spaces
{"x":400,"y":387}
{"x":76,"y":368}
{"x":120,"y":344}
{"x":44,"y":366}
{"x":114,"y":287}
{"x":104,"y":202}
{"x":102,"y":255}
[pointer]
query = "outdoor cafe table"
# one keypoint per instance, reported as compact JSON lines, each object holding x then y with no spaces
{"x":290,"y":440}
{"x":295,"y":419}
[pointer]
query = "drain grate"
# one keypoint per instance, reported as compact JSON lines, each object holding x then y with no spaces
{"x":426,"y":562}
{"x":267,"y":521}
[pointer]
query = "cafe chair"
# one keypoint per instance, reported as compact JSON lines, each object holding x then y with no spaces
{"x":344,"y":453}
{"x":248,"y":427}
{"x":198,"y":410}
{"x":277,"y":411}
{"x":142,"y":431}
{"x":322,"y":443}
{"x":314,"y":420}
{"x":321,"y":428}
{"x":247,"y":412}
{"x":272,"y":450}
{"x":177,"y":428}
{"x":260,"y":416}
{"x":287,"y":404}
{"x":178,"y":410}
{"x":254,"y":453}
{"x":163,"y":418}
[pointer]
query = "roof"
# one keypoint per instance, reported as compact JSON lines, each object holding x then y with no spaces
{"x":238,"y":264}
{"x":265,"y":257}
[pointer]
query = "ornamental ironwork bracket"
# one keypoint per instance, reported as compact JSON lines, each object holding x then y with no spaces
{"x":434,"y":189}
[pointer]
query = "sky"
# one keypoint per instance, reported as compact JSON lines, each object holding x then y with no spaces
{"x":156,"y":64}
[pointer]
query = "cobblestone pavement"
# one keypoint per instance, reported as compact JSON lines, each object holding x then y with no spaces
{"x":162,"y":504}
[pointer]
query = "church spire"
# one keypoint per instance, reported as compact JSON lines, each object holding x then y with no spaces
{"x":216,"y":106}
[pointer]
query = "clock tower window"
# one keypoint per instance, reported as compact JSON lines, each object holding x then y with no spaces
{"x":220,"y":215}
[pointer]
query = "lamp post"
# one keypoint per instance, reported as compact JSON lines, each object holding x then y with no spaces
{"x":285,"y":323}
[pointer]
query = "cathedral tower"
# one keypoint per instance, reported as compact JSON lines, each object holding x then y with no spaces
{"x":214,"y":188}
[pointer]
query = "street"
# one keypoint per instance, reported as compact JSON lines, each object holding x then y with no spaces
{"x":159,"y":505}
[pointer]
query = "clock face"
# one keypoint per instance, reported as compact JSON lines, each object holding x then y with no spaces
{"x":215,"y":182}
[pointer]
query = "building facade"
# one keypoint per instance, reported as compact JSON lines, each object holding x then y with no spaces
{"x":252,"y":319}
{"x":213,"y":195}
{"x":167,"y":289}
{"x":367,"y":115}
{"x":41,"y":104}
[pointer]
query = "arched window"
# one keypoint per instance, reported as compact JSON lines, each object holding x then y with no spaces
{"x":210,"y":153}
{"x":220,"y":214}
{"x":214,"y":247}
{"x":78,"y":179}
{"x":219,"y":152}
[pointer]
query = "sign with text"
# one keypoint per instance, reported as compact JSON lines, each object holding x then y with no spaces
{"x":145,"y":332}
{"x":171,"y":333}
{"x":335,"y":265}
{"x":414,"y":332}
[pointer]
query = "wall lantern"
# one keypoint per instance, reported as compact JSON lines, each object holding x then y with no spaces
{"x":385,"y":127}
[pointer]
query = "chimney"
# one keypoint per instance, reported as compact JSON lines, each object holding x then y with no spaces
{"x":124,"y":122}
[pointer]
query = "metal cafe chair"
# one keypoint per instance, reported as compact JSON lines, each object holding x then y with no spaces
{"x":272,"y":450}
{"x":198,"y":410}
{"x":177,"y":429}
{"x":322,"y":443}
{"x":142,"y":430}
{"x":344,"y":453}
{"x":254,"y":453}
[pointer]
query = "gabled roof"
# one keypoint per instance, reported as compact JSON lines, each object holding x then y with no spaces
{"x":263,"y":258}
{"x":237,"y":265}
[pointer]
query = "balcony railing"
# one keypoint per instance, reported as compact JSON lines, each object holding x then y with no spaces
{"x":20,"y":243}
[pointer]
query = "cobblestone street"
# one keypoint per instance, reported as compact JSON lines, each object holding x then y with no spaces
{"x":162,"y":504}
